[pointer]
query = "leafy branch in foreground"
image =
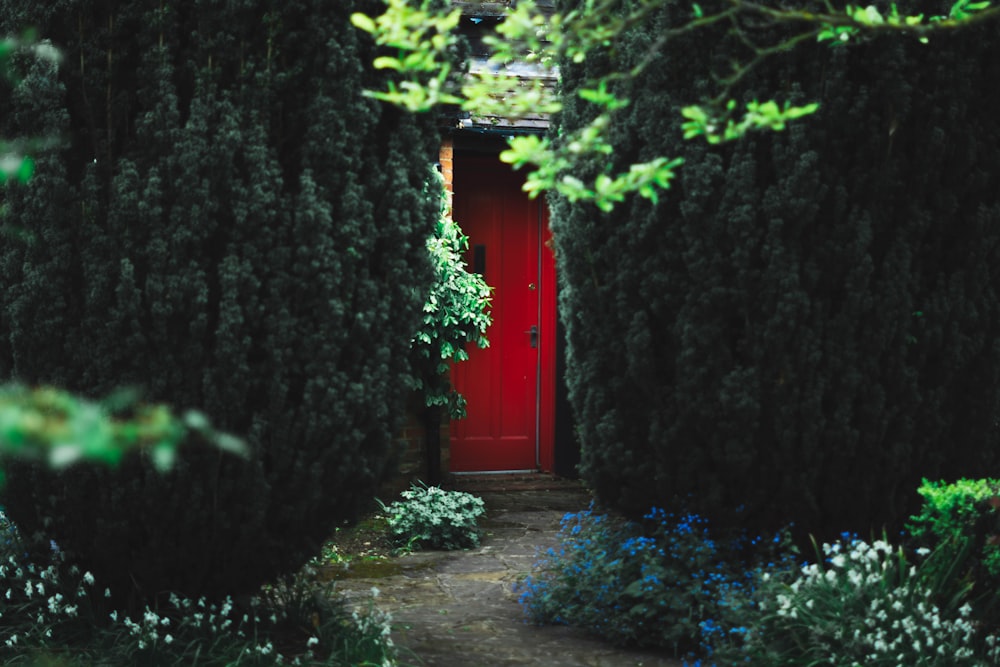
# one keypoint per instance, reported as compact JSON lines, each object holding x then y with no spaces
{"x":421,"y":37}
{"x":60,"y":428}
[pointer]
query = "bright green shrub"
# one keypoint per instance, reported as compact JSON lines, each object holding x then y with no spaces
{"x":230,"y":226}
{"x":959,"y":524}
{"x":805,"y":323}
{"x":951,"y":509}
{"x":432,"y":518}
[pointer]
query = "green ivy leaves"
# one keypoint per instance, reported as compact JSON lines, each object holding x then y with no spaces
{"x":455,"y":313}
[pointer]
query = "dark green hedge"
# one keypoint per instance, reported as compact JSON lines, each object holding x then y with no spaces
{"x":807,"y":323}
{"x":229,"y":226}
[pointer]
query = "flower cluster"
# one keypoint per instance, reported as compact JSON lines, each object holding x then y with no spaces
{"x":662,"y":582}
{"x":860,"y":604}
{"x":57,"y":607}
{"x":430,"y":517}
{"x":40,"y":603}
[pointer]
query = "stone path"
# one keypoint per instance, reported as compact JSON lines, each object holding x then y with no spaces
{"x":458,"y":609}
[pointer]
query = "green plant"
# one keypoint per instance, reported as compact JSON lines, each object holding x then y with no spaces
{"x":959,"y":525}
{"x":660,"y":582}
{"x":430,"y":517}
{"x":859,"y":605}
{"x":456,"y":312}
{"x":419,"y":37}
{"x":50,"y":608}
{"x":688,"y":367}
{"x":243,"y":233}
{"x":59,"y":428}
{"x":46,"y":423}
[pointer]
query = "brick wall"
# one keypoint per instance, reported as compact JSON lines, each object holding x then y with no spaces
{"x":410,"y":444}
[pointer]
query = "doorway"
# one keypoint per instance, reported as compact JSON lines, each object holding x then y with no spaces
{"x":510,"y":385}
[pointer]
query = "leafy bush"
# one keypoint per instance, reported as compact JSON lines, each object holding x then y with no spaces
{"x":799,"y":301}
{"x":654,"y":583}
{"x":959,"y":523}
{"x":49,"y":607}
{"x":860,"y":605}
{"x":430,"y":517}
{"x":244,"y":236}
{"x":456,"y":312}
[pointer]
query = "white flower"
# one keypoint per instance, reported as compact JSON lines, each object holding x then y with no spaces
{"x":114,"y":615}
{"x":313,"y":641}
{"x":88,"y":578}
{"x":167,"y":639}
{"x":12,"y":640}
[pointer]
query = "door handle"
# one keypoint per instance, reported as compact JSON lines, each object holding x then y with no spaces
{"x":533,"y":335}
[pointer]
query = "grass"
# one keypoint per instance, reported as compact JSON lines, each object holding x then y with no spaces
{"x":365,"y":542}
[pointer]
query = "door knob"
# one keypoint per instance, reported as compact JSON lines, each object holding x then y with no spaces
{"x":533,"y":335}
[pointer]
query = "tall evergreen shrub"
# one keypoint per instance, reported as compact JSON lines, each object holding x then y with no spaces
{"x":228,"y":225}
{"x":808,"y":321}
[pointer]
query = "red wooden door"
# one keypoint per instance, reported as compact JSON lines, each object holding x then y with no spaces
{"x":509,"y":418}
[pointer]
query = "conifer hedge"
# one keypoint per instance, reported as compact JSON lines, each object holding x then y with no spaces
{"x":807,"y":322}
{"x":228,"y":225}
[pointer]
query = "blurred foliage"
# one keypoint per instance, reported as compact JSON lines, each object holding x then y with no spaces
{"x":60,"y":428}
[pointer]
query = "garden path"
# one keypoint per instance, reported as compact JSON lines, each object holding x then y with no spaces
{"x":458,"y":609}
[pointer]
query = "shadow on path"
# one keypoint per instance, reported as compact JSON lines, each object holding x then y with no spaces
{"x":458,"y":609}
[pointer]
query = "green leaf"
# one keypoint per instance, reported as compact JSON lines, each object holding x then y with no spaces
{"x":164,"y":456}
{"x":26,"y":170}
{"x":385,"y":62}
{"x":363,"y":22}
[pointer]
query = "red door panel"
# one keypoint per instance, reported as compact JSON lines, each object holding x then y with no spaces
{"x":502,"y":382}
